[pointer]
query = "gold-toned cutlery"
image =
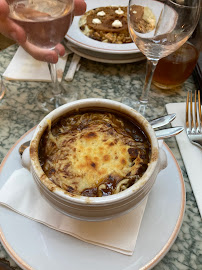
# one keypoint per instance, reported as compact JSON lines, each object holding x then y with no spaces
{"x":194,"y":119}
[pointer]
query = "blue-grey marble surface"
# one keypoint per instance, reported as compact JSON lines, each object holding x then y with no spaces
{"x":19,"y":113}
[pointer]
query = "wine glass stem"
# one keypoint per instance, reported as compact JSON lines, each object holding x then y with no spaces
{"x":2,"y":87}
{"x":56,"y":90}
{"x":151,"y":65}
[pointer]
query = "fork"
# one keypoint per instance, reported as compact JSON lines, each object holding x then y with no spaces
{"x":194,"y":119}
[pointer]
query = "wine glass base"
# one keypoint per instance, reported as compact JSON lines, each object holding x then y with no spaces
{"x":47,"y":102}
{"x":136,"y":105}
{"x":149,"y":111}
{"x":166,"y":87}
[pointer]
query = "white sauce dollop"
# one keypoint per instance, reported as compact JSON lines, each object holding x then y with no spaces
{"x":101,"y":13}
{"x":119,"y":11}
{"x":96,"y":21}
{"x":117,"y":24}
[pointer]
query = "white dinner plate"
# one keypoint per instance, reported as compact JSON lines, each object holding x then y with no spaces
{"x":75,"y":35}
{"x":106,"y":58}
{"x":35,"y":246}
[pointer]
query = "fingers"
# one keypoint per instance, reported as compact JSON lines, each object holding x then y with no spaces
{"x":45,"y":55}
{"x":79,"y":7}
{"x":4,"y":9}
{"x":13,"y":31}
{"x":60,"y":50}
{"x":8,"y":27}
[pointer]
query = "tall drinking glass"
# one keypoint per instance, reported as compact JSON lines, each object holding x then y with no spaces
{"x":45,"y":22}
{"x":158,"y":28}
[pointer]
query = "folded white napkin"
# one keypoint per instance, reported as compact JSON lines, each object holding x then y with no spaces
{"x":24,"y":67}
{"x":191,"y":154}
{"x":120,"y":234}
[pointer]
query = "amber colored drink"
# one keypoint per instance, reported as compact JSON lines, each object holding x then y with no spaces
{"x":174,"y":69}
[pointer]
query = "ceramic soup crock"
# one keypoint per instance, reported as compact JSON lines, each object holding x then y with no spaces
{"x":95,"y":208}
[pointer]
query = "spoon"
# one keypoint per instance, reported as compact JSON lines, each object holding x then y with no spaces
{"x":168,"y":132}
{"x":162,"y":121}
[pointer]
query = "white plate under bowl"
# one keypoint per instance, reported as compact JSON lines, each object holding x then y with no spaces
{"x":105,"y":57}
{"x":75,"y":35}
{"x":35,"y":246}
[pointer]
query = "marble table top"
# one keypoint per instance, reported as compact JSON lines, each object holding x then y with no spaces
{"x":19,"y":113}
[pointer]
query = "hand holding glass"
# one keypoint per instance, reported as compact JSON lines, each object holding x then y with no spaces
{"x":45,"y":22}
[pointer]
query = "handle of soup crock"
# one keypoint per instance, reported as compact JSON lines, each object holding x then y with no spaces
{"x":26,"y":161}
{"x":162,"y":159}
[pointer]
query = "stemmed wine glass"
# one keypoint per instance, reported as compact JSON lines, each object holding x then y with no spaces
{"x":45,"y":22}
{"x":158,"y":28}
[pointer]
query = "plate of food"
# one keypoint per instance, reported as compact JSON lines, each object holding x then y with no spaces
{"x":103,"y":28}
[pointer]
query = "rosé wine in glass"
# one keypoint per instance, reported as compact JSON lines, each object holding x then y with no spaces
{"x":45,"y":22}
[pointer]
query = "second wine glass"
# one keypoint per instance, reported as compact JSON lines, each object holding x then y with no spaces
{"x":158,"y":28}
{"x":45,"y":22}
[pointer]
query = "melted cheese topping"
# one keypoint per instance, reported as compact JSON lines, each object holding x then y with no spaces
{"x":91,"y":156}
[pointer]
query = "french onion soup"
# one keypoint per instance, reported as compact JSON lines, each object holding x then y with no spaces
{"x":94,"y":153}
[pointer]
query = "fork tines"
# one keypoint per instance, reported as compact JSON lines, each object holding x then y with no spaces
{"x":194,"y":118}
{"x":193,"y":112}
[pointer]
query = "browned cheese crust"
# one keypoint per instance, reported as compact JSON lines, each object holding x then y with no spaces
{"x":94,"y":154}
